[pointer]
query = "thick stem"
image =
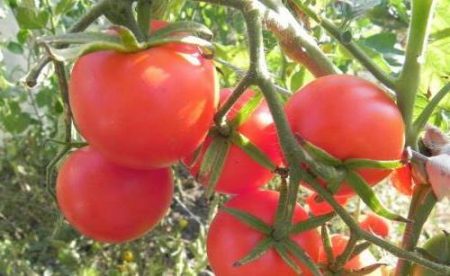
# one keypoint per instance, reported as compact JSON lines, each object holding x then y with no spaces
{"x":408,"y":84}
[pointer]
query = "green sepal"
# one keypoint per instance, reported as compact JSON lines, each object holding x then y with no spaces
{"x":300,"y":254}
{"x":311,"y":223}
{"x":364,"y":271}
{"x":256,"y":252}
{"x":187,"y":27}
{"x":320,"y":154}
{"x":283,"y":252}
{"x":213,"y":162}
{"x":246,"y":111}
{"x":249,"y":220}
{"x":253,"y":151}
{"x":359,"y":248}
{"x":357,"y":163}
{"x":365,"y":192}
{"x":326,"y":241}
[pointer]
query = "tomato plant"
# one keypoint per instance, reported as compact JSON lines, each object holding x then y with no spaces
{"x":402,"y":180}
{"x":229,"y":239}
{"x":145,"y":109}
{"x":438,"y":248}
{"x":321,"y":208}
{"x":375,"y":224}
{"x":349,"y":118}
{"x":338,"y":243}
{"x":240,"y":172}
{"x":108,"y":202}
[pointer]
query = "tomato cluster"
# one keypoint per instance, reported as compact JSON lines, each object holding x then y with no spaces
{"x":142,"y":112}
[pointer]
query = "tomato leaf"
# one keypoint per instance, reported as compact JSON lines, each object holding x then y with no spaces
{"x":256,"y":252}
{"x":282,"y":251}
{"x":356,"y":163}
{"x":249,"y":220}
{"x":359,"y":248}
{"x":367,"y":195}
{"x":253,"y":151}
{"x":247,"y":110}
{"x":311,"y":223}
{"x":295,"y":250}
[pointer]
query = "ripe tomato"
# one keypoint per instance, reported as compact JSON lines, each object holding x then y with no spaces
{"x":338,"y":243}
{"x":349,"y":118}
{"x":322,"y":208}
{"x":108,"y":202}
{"x":240,"y":172}
{"x":438,"y":247}
{"x":375,"y":224}
{"x":229,"y":239}
{"x":146,"y":109}
{"x":401,"y":178}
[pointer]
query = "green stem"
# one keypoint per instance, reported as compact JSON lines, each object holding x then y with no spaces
{"x":351,"y":46}
{"x":408,"y":83}
{"x":342,"y":259}
{"x":421,"y":121}
{"x":422,"y":204}
{"x":143,"y":9}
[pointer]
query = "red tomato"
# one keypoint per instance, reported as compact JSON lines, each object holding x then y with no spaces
{"x":229,"y":239}
{"x":401,"y":178}
{"x":338,"y":243}
{"x":108,"y":202}
{"x":322,"y":208}
{"x":375,"y":224}
{"x":146,"y":109}
{"x":240,"y":172}
{"x":349,"y":118}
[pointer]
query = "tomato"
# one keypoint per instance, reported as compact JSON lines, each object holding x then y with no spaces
{"x":146,"y":109}
{"x":240,"y":172}
{"x":338,"y":243}
{"x":401,"y":178}
{"x":438,"y":247}
{"x":375,"y":224}
{"x":229,"y":239}
{"x":349,"y":118}
{"x":322,"y":208}
{"x":108,"y":202}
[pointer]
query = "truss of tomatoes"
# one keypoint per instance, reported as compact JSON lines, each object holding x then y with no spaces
{"x":142,"y":112}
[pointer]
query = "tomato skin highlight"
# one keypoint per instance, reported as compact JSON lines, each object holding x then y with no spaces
{"x":241,"y":173}
{"x":229,"y":239}
{"x":322,"y":208}
{"x":375,"y":224}
{"x":349,"y":118}
{"x":144,"y":110}
{"x":108,"y":202}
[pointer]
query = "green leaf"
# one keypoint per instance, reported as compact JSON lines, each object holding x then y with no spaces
{"x":300,"y":254}
{"x":246,"y":111}
{"x":189,"y":27}
{"x":357,"y":163}
{"x":360,"y":186}
{"x":256,"y":252}
{"x":14,"y":47}
{"x":64,"y":6}
{"x":253,"y":151}
{"x":28,"y":17}
{"x":359,"y":248}
{"x":249,"y":220}
{"x":311,"y":223}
